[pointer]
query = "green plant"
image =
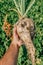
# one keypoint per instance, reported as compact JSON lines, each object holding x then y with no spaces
{"x":20,"y":6}
{"x":36,"y":13}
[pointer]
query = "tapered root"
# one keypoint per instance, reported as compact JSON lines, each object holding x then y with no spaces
{"x":25,"y":29}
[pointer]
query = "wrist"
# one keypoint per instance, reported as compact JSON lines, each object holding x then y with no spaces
{"x":15,"y":45}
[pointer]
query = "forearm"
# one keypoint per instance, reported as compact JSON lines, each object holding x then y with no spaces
{"x":10,"y":57}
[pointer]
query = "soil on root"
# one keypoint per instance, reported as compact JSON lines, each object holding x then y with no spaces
{"x":25,"y":28}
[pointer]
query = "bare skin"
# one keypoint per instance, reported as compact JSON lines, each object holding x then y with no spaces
{"x":10,"y":57}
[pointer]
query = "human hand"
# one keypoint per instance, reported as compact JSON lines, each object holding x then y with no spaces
{"x":16,"y":40}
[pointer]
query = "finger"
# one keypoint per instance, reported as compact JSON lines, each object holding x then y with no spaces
{"x":15,"y":35}
{"x":20,"y":43}
{"x":14,"y":29}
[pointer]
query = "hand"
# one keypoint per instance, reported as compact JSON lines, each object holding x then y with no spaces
{"x":16,"y":40}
